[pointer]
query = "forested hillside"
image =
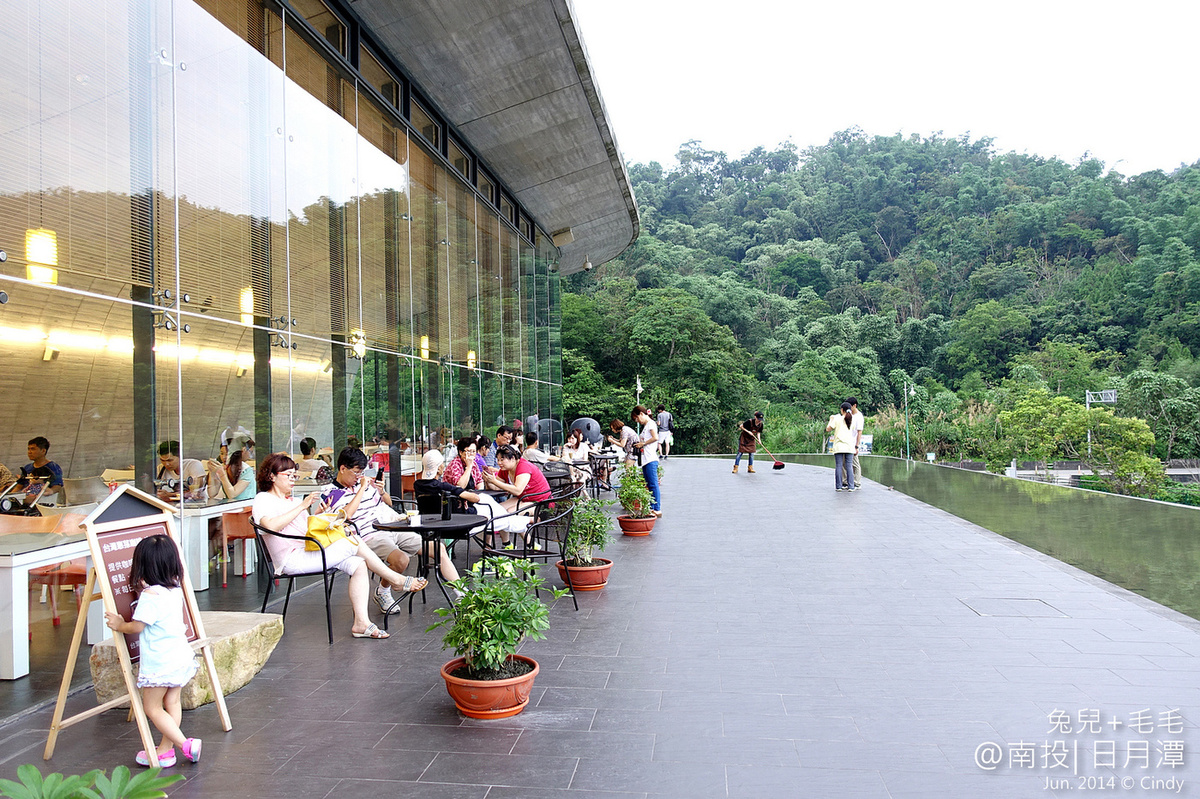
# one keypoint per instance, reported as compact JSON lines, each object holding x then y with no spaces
{"x":787,"y":279}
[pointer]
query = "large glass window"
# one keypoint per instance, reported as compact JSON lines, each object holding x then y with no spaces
{"x":459,"y":159}
{"x":424,"y":123}
{"x":245,"y":239}
{"x":378,"y":76}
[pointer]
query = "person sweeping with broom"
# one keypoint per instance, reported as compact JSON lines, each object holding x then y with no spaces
{"x":749,"y":437}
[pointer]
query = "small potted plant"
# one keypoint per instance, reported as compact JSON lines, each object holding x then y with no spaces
{"x":635,"y":499}
{"x":499,"y":608}
{"x":590,"y":532}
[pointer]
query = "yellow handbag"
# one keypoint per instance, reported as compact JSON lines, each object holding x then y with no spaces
{"x":328,"y":528}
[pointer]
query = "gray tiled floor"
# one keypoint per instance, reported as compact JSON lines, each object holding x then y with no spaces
{"x":771,"y":638}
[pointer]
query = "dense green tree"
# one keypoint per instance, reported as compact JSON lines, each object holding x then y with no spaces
{"x":985,"y":338}
{"x":934,"y":257}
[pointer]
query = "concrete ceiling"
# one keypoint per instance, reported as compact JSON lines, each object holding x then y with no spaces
{"x":513,"y":77}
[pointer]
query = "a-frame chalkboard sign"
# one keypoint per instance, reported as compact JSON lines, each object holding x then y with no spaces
{"x":113,"y":530}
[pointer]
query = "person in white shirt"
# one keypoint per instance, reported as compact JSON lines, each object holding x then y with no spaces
{"x":366,"y":504}
{"x":533,"y":453}
{"x":841,"y":425}
{"x":188,"y":474}
{"x":576,"y":451}
{"x":856,"y":426}
{"x":647,"y":446}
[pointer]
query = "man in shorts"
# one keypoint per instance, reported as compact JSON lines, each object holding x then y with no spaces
{"x":365,"y":506}
{"x":666,"y":430}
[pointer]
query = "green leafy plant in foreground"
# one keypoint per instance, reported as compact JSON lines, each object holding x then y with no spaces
{"x":92,"y":785}
{"x":497,"y":612}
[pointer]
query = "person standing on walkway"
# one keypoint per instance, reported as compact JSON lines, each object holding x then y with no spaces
{"x":666,"y":430}
{"x":841,"y":425}
{"x":857,"y":425}
{"x":749,"y":437}
{"x":647,"y":448}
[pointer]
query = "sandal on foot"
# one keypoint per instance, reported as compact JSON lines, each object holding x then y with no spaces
{"x":372,"y":631}
{"x":412,"y":584}
{"x":191,"y":749}
{"x":165,"y":760}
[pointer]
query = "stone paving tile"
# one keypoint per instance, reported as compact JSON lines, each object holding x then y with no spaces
{"x":751,"y":782}
{"x":833,"y":653}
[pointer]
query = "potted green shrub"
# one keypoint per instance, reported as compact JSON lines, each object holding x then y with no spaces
{"x":500,"y":607}
{"x":635,"y":499}
{"x":590,"y":532}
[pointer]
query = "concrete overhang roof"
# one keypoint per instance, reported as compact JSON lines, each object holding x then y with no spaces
{"x":513,"y":77}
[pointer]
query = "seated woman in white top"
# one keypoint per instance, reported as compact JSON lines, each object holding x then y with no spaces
{"x":309,"y":463}
{"x":576,"y":451}
{"x":276,"y":509}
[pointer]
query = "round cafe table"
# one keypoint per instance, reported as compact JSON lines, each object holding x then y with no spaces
{"x":432,"y":528}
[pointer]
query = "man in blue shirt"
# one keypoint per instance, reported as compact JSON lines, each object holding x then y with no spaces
{"x":41,"y":470}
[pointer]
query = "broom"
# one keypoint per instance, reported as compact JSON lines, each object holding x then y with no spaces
{"x":778,"y":463}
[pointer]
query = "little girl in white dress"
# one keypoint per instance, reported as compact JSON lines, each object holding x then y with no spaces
{"x":167,"y":659}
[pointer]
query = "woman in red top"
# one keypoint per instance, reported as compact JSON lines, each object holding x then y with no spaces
{"x":518,"y":477}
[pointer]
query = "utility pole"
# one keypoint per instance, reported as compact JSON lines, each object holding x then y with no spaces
{"x":907,"y":446}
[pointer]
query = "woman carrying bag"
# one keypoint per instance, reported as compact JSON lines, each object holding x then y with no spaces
{"x":841,"y":425}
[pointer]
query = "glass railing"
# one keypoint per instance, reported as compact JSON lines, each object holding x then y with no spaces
{"x":1151,"y":548}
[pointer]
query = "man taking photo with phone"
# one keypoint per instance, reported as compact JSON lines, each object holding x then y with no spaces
{"x":357,"y":491}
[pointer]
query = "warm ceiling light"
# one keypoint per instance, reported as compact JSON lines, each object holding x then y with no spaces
{"x":425,"y":348}
{"x":41,"y":255}
{"x":41,"y":247}
{"x":358,"y":344}
{"x":41,"y":274}
{"x":470,"y":359}
{"x":246,"y":303}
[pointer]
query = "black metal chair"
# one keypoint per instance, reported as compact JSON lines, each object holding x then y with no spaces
{"x":545,"y":540}
{"x":327,"y":573}
{"x":558,"y":475}
{"x":599,"y":478}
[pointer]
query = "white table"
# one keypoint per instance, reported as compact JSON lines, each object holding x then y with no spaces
{"x":19,"y":553}
{"x":193,"y":535}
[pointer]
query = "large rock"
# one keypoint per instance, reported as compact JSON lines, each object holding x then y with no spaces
{"x":241,"y":645}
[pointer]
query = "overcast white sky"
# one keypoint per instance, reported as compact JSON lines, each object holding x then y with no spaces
{"x":1046,"y":77}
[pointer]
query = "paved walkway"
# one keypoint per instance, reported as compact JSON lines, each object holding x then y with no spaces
{"x":772,"y":638}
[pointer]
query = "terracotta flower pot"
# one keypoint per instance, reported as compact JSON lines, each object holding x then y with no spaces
{"x":489,"y":699}
{"x":587,"y":578}
{"x":632,"y":526}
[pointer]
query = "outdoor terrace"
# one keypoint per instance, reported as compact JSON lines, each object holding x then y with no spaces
{"x":771,"y":638}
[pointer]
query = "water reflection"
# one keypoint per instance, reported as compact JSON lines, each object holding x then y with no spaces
{"x":1151,"y":548}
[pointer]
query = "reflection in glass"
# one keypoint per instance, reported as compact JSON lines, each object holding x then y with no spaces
{"x":311,"y":216}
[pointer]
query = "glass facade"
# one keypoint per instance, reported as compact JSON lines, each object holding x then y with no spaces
{"x":247,"y":234}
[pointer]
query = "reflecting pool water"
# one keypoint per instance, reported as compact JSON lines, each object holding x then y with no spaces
{"x":1151,"y":548}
